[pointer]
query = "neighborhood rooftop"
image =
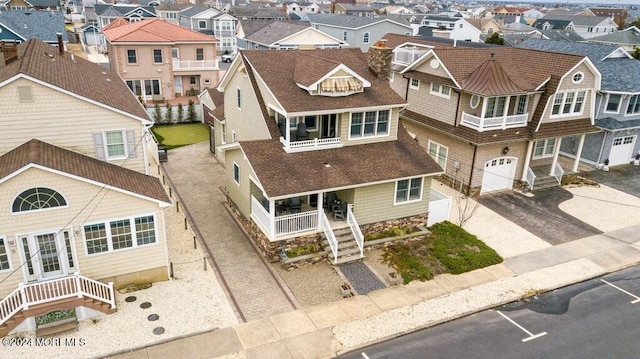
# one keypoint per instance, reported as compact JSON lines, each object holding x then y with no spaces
{"x":152,"y":30}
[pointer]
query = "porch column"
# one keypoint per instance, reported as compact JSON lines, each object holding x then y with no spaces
{"x":578,"y":153}
{"x":320,"y":208}
{"x":556,"y":152}
{"x":287,"y":135}
{"x":506,"y":112}
{"x":527,"y":160}
{"x":482,"y":112}
{"x":272,"y":218}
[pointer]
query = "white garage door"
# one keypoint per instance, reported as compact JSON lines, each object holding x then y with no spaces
{"x":621,"y":150}
{"x":498,"y":174}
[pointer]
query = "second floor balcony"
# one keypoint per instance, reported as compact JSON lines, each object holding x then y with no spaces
{"x":309,"y":133}
{"x":191,"y":65}
{"x":494,"y":123}
{"x":497,"y":113}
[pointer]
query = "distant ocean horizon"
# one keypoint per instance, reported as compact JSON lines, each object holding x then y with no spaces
{"x":607,"y":3}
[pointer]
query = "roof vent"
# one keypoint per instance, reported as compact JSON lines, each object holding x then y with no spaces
{"x":327,"y":164}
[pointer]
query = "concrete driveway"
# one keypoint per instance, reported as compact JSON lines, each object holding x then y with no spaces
{"x":540,"y":214}
{"x":625,"y":178}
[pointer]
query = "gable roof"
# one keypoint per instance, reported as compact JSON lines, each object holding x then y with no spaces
{"x":194,"y":10}
{"x":627,"y":38}
{"x":39,"y":24}
{"x":35,"y":152}
{"x":250,"y":26}
{"x":278,"y":70}
{"x":395,"y":40}
{"x":348,"y":21}
{"x":480,"y":23}
{"x":576,"y":19}
{"x":173,"y":6}
{"x":43,"y":62}
{"x":117,"y":10}
{"x":282,"y":173}
{"x":153,"y":30}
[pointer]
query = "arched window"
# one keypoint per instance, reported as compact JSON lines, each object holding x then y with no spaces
{"x":38,"y":198}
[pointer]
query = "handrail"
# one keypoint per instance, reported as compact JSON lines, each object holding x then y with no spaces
{"x":27,"y":295}
{"x":531,"y":177}
{"x":558,"y":172}
{"x":331,"y":237}
{"x":355,"y":229}
{"x":493,"y":123}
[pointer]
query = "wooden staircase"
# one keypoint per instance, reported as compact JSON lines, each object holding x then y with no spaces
{"x":348,"y":250}
{"x":39,"y":298}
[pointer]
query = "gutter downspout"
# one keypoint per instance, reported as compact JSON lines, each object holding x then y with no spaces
{"x":473,"y":165}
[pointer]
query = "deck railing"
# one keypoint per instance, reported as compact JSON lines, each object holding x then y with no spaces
{"x":494,"y":123}
{"x":310,"y":145}
{"x":296,"y":223}
{"x":531,"y":177}
{"x":331,"y":237}
{"x":195,"y":65}
{"x":27,"y":295}
{"x":355,"y":229}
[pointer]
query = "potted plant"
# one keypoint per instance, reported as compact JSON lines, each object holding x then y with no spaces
{"x":606,"y":165}
{"x":637,"y":160}
{"x":394,"y":278}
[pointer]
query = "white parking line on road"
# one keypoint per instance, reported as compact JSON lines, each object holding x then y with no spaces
{"x":531,"y":335}
{"x":624,"y":291}
{"x":364,"y":355}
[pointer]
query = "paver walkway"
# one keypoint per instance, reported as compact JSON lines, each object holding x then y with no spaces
{"x":252,"y":286}
{"x":361,"y":277}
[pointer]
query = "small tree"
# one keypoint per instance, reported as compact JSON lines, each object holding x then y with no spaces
{"x":467,"y":207}
{"x":191,"y":112}
{"x":157,"y":114}
{"x":494,"y":39}
{"x":180,"y":116}
{"x":169,"y":114}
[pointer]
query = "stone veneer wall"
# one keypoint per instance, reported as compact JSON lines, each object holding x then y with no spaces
{"x":380,"y":59}
{"x":413,"y":221}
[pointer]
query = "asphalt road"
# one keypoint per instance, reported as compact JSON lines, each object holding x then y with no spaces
{"x":594,"y":319}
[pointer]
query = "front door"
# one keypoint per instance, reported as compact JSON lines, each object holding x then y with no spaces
{"x":177,"y":85}
{"x":328,"y":126}
{"x":47,"y":255}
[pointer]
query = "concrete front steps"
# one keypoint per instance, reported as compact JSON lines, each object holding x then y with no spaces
{"x":348,"y":250}
{"x":545,"y":182}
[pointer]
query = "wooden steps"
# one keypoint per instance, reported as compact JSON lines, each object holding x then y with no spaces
{"x":348,"y":250}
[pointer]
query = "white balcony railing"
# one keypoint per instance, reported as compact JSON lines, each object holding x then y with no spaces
{"x":187,"y":65}
{"x":310,"y":145}
{"x":283,"y":225}
{"x":493,"y":123}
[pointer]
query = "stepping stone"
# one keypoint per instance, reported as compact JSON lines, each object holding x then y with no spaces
{"x":362,"y":279}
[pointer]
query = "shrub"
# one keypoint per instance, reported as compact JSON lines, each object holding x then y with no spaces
{"x":169,"y":114}
{"x":191,"y":111}
{"x":303,"y":250}
{"x":408,"y":265}
{"x":390,"y":232}
{"x":157,"y":114}
{"x":180,"y":116}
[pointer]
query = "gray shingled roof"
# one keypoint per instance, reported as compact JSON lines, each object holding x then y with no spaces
{"x":44,"y":3}
{"x":276,"y":31}
{"x":621,"y":37}
{"x":618,"y":74}
{"x":609,"y":123}
{"x":119,"y":10}
{"x":41,"y":24}
{"x":192,"y":11}
{"x":576,"y":19}
{"x":346,"y":21}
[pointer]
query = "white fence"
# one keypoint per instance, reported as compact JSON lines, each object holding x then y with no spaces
{"x":439,"y":207}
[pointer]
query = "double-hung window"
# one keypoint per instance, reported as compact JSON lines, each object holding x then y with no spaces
{"x":415,"y":84}
{"x":544,"y":148}
{"x":568,"y":103}
{"x":409,"y":190}
{"x":236,"y":173}
{"x":613,"y":103}
{"x":199,"y":54}
{"x":4,"y":255}
{"x":157,"y":56}
{"x":440,"y":90}
{"x":116,"y":146}
{"x":370,"y":123}
{"x":494,"y":107}
{"x":521,"y":105}
{"x":439,"y":153}
{"x":633,"y":108}
{"x":132,"y":56}
{"x":119,"y":234}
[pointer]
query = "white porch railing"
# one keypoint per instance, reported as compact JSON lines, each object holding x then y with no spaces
{"x":296,"y":223}
{"x":558,"y":172}
{"x":355,"y":229}
{"x":48,"y":291}
{"x":331,"y":237}
{"x":195,"y":65}
{"x":493,"y":123}
{"x":310,"y":145}
{"x":531,"y":177}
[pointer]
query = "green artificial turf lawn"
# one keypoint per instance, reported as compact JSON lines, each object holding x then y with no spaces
{"x":181,"y":134}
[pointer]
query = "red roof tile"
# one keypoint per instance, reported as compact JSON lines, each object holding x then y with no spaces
{"x":153,"y":30}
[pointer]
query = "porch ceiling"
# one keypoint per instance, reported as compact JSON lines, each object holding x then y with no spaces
{"x":282,"y":173}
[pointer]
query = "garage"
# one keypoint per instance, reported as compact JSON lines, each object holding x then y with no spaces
{"x":498,"y":174}
{"x":621,"y":150}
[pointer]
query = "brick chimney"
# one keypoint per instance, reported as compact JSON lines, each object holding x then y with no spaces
{"x":9,"y":51}
{"x":60,"y":43}
{"x":380,"y":58}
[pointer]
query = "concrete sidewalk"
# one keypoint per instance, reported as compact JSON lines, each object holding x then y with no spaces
{"x":330,"y":329}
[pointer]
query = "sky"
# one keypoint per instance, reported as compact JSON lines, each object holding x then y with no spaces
{"x":578,"y":2}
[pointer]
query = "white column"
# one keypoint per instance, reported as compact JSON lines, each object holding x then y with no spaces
{"x":483,"y":111}
{"x":272,"y":218}
{"x":527,"y":160}
{"x":556,"y":152}
{"x":578,"y":153}
{"x":319,"y":206}
{"x":505,"y":112}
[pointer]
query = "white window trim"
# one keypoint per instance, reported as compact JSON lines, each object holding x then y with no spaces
{"x":366,"y":36}
{"x":564,"y":97}
{"x":438,"y":147}
{"x":200,"y":22}
{"x":375,"y":135}
{"x":7,"y":250}
{"x":134,"y":239}
{"x":106,"y":145}
{"x":412,"y":86}
{"x":235,"y":165}
{"x":471,"y":101}
{"x":546,"y":143}
{"x":11,"y":212}
{"x":576,"y":74}
{"x":439,"y":92}
{"x":395,"y":192}
{"x":606,"y":105}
